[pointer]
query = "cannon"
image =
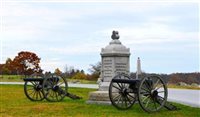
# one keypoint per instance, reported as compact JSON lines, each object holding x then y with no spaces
{"x":150,"y":92}
{"x":51,"y":88}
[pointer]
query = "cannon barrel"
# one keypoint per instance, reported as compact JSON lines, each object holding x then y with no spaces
{"x":33,"y":79}
{"x":128,"y":81}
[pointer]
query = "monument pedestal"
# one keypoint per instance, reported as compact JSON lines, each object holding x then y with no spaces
{"x":99,"y":97}
{"x":104,"y":86}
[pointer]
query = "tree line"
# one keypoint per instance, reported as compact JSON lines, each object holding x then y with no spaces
{"x":27,"y":63}
{"x":188,"y":78}
{"x":72,"y":73}
{"x":175,"y":78}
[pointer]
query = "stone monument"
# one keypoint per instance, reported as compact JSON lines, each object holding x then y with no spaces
{"x":114,"y":59}
{"x":139,"y":71}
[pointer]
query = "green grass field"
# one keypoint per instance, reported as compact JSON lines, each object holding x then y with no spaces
{"x":14,"y":104}
{"x":11,"y":78}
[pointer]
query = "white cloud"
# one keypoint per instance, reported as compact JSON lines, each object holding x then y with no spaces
{"x":51,"y":65}
{"x":164,"y":19}
{"x":77,"y":49}
{"x":28,"y":18}
{"x":153,"y":33}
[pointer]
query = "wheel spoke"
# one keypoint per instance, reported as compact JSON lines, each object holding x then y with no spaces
{"x":147,"y":102}
{"x":154,"y":86}
{"x":116,"y":97}
{"x":60,"y":83}
{"x":119,"y":85}
{"x":30,"y":85}
{"x":32,"y":88}
{"x":40,"y":94}
{"x":155,"y":105}
{"x":125,"y":101}
{"x":50,"y":83}
{"x":161,"y":91}
{"x":123,"y":85}
{"x":145,"y":89}
{"x":61,"y":96}
{"x":32,"y":92}
{"x":147,"y":85}
{"x":51,"y":93}
{"x":55,"y":81}
{"x":119,"y":99}
{"x":131,"y":96}
{"x":33,"y":83}
{"x":56,"y":95}
{"x":160,"y":98}
{"x":150,"y":83}
{"x":122,"y":102}
{"x":36,"y":95}
{"x":145,"y":98}
{"x":145,"y":93}
{"x":159,"y":87}
{"x":130,"y":102}
{"x":116,"y":87}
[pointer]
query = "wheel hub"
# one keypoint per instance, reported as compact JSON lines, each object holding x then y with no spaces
{"x":37,"y":87}
{"x":154,"y":93}
{"x":56,"y":88}
{"x":124,"y":92}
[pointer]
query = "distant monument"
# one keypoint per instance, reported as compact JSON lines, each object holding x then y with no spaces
{"x":139,"y":71}
{"x":114,"y":59}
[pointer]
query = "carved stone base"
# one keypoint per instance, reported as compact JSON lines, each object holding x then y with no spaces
{"x":104,"y":86}
{"x":99,"y":97}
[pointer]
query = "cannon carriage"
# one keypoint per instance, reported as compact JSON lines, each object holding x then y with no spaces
{"x":52,"y":88}
{"x":150,"y":92}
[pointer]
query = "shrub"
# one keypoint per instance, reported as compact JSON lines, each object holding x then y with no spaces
{"x":79,"y":76}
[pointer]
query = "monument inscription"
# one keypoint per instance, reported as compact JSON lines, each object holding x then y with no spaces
{"x":121,"y":65}
{"x":107,"y":68}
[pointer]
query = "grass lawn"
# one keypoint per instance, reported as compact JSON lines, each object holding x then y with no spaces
{"x":14,"y":104}
{"x":11,"y":78}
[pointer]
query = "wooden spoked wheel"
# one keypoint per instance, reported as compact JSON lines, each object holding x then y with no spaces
{"x":33,"y":90}
{"x":152,"y":93}
{"x":121,"y":96}
{"x":54,"y":88}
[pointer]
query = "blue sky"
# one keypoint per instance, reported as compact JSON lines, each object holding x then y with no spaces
{"x":165,"y":35}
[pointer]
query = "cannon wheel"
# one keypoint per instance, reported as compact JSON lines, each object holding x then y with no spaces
{"x":152,"y":93}
{"x":121,"y":96}
{"x":33,"y":90}
{"x":54,"y":89}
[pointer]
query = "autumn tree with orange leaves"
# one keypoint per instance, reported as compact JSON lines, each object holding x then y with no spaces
{"x":26,"y":63}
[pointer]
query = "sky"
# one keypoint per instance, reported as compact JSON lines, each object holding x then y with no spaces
{"x":165,"y":35}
